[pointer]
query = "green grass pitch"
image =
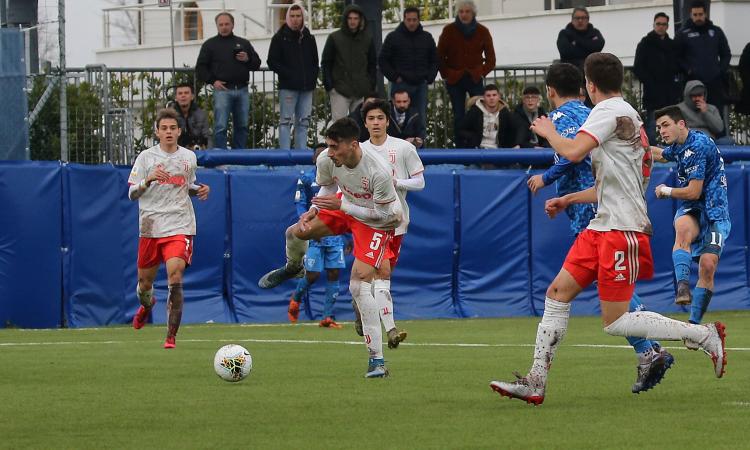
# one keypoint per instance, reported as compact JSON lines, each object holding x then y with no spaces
{"x":118,"y":388}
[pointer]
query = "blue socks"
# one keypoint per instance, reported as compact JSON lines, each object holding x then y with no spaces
{"x":332,"y":293}
{"x":301,"y":289}
{"x":701,"y":299}
{"x":640,"y":345}
{"x":681,"y":260}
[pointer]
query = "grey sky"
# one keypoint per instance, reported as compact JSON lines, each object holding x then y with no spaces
{"x":83,"y":29}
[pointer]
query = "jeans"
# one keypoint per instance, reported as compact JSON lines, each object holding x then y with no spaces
{"x":457,"y":93}
{"x":296,"y":107}
{"x":417,"y":94}
{"x":236,"y":102}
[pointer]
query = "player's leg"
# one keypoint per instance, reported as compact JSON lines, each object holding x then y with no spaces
{"x":653,"y":360}
{"x":313,"y":265}
{"x":333,"y":261}
{"x":148,"y":265}
{"x":646,"y":324}
{"x":175,"y":299}
{"x":686,"y":230}
{"x":296,"y":246}
{"x":382,"y":292}
{"x":710,"y":249}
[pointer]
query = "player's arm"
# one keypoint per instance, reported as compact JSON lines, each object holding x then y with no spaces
{"x":415,"y":169}
{"x":199,"y":190}
{"x":138,"y":188}
{"x":692,"y":191}
{"x":413,"y":183}
{"x":574,"y":150}
{"x":381,"y":212}
{"x":300,"y":197}
{"x":555,"y":205}
{"x":657,"y":153}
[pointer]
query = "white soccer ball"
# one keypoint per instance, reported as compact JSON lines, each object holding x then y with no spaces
{"x":233,"y":363}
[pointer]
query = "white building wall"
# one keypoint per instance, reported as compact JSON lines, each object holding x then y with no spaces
{"x":527,"y":38}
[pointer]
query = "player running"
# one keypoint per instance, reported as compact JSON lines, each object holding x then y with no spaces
{"x":408,"y":175}
{"x":614,"y":249}
{"x":368,"y":207}
{"x":162,"y":180}
{"x":563,"y":81}
{"x":702,"y":222}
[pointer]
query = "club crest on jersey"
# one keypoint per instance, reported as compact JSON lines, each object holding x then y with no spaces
{"x":365,"y":183}
{"x":186,"y":165}
{"x":392,"y":156}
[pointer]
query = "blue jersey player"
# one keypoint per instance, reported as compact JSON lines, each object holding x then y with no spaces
{"x":326,"y":253}
{"x":563,"y":82}
{"x":702,"y":222}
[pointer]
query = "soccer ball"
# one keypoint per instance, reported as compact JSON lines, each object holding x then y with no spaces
{"x":233,"y":363}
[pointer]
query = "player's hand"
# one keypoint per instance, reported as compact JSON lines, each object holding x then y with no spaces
{"x":659,"y":191}
{"x":160,"y":175}
{"x":554,"y":205}
{"x":331,"y":202}
{"x":220,"y":85}
{"x":203,"y":191}
{"x":535,"y":183}
{"x":304,"y":220}
{"x":543,"y":127}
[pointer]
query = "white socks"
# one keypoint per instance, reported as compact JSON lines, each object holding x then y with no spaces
{"x":650,"y":325}
{"x":146,"y":298}
{"x":549,"y":334}
{"x":295,"y":249}
{"x":384,"y":301}
{"x":362,"y":293}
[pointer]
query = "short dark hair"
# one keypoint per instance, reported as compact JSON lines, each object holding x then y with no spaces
{"x":577,"y":9}
{"x":661,"y":14}
{"x":371,"y":94}
{"x":531,"y":90}
{"x":605,"y":71}
{"x":565,"y":78}
{"x":319,"y":145}
{"x":344,"y":129}
{"x":411,"y":9}
{"x":224,"y":13}
{"x":698,"y":4}
{"x":377,"y":104}
{"x":185,"y":84}
{"x":491,"y":87}
{"x":673,"y":112}
{"x":400,"y":91}
{"x":166,"y":113}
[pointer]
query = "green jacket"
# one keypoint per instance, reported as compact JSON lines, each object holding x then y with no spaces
{"x":349,"y":60}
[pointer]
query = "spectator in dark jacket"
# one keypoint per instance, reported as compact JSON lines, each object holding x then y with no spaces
{"x":488,"y":123}
{"x":525,"y":113}
{"x":357,"y":116}
{"x":658,"y":68}
{"x":579,"y":39}
{"x":466,"y":55}
{"x":405,"y":122}
{"x":293,"y":55}
{"x":193,"y":121}
{"x":349,"y":63}
{"x":744,"y":105}
{"x":704,"y":54}
{"x":409,"y":60}
{"x":225,"y":62}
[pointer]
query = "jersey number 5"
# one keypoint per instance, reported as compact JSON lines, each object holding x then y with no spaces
{"x":376,"y":241}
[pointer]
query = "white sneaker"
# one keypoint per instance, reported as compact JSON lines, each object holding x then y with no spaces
{"x":713,"y":345}
{"x":521,"y":389}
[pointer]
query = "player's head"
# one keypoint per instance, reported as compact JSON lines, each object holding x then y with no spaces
{"x":167,"y":127}
{"x":343,"y":146}
{"x":376,"y":114}
{"x":183,"y":94}
{"x":318,"y":149}
{"x":604,"y":75}
{"x":563,"y":82}
{"x":670,"y":123}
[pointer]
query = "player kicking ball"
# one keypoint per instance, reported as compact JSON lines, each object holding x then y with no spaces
{"x":702,"y":223}
{"x":614,"y":249}
{"x":162,"y":180}
{"x":368,"y":207}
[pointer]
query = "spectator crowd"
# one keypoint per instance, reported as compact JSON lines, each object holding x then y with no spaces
{"x":690,"y":70}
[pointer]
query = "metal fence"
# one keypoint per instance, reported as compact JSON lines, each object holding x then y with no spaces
{"x":111,"y":111}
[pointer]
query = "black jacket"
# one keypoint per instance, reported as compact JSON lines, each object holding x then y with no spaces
{"x":658,"y":68}
{"x":744,"y":105}
{"x":703,"y":51}
{"x":409,"y":55}
{"x":194,"y":127}
{"x":575,"y":46}
{"x":356,"y":116}
{"x":412,"y":126}
{"x":471,"y":128}
{"x":216,"y":61}
{"x":521,"y":124}
{"x":293,"y":55}
{"x":348,"y":62}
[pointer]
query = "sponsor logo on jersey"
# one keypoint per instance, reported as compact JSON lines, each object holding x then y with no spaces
{"x":556,"y":115}
{"x":689,"y":153}
{"x":364,"y":195}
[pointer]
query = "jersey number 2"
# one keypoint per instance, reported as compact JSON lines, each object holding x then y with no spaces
{"x":619,"y":260}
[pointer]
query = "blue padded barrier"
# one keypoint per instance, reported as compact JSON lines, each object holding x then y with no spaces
{"x":494,"y":244}
{"x":30,"y":244}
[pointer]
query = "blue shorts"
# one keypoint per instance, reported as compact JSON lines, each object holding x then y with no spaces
{"x":318,"y":258}
{"x":712,"y":235}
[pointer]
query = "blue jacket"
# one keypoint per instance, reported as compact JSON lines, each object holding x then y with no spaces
{"x":703,"y":51}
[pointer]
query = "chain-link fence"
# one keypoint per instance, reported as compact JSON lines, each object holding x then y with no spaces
{"x":111,"y":111}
